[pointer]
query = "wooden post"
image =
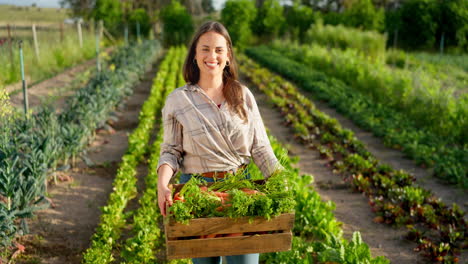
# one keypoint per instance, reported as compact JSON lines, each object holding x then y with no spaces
{"x":98,"y":40}
{"x":395,"y":39}
{"x":80,"y":36}
{"x":138,"y":31}
{"x":36,"y":44}
{"x":126,"y":34}
{"x":10,"y":46}
{"x":100,"y":28}
{"x":61,"y":32}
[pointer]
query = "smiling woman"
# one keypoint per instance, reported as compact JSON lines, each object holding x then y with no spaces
{"x":212,"y":125}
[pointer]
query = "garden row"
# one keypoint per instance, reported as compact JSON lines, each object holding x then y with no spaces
{"x":113,"y":218}
{"x":425,"y":145}
{"x":418,"y":95}
{"x":439,"y":231}
{"x":33,"y":146}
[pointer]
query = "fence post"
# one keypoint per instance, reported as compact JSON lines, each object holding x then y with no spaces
{"x":126,"y":34}
{"x":138,"y":31}
{"x":61,"y":32}
{"x":395,"y":39}
{"x":10,"y":46}
{"x":80,"y":36}
{"x":98,"y":64}
{"x":25,"y":91}
{"x":100,"y":28}
{"x":442,"y":39}
{"x":36,"y":44}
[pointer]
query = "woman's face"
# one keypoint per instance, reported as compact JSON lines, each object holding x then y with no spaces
{"x":211,"y":54}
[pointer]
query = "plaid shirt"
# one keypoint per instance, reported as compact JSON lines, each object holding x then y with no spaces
{"x":201,"y":137}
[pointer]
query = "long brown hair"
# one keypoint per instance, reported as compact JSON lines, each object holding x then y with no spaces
{"x":232,"y":89}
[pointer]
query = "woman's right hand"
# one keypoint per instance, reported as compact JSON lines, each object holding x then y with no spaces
{"x":164,"y":197}
{"x":165,"y":173}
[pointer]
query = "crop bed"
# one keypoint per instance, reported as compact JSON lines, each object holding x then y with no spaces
{"x":439,"y":230}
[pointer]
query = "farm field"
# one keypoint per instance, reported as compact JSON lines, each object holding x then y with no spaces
{"x":372,"y":139}
{"x":329,"y":186}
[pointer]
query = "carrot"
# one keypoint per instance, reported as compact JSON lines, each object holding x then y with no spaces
{"x":234,"y":235}
{"x":177,"y":197}
{"x":250,"y":191}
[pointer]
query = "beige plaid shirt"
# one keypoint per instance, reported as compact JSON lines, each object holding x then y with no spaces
{"x":201,"y":137}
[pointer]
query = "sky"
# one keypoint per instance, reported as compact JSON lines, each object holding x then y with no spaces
{"x":55,"y":3}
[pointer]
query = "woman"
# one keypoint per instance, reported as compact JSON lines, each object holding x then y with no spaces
{"x":212,"y":125}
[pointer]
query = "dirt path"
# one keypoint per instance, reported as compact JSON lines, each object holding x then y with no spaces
{"x":61,"y":234}
{"x":351,"y":208}
{"x":55,"y":89}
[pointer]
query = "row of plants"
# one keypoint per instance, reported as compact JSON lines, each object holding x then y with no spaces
{"x":426,"y":148}
{"x":33,"y":146}
{"x":147,"y":237}
{"x":450,"y":70}
{"x":416,"y":94}
{"x":318,"y":236}
{"x":368,"y":43}
{"x":440,"y":231}
{"x":113,"y":217}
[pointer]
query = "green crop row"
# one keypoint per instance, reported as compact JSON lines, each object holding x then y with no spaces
{"x":450,"y":162}
{"x":32,"y":146}
{"x":318,"y":237}
{"x":439,"y":230}
{"x":147,"y":236}
{"x":424,"y":99}
{"x":368,"y":43}
{"x":113,"y":217}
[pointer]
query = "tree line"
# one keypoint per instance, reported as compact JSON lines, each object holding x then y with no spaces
{"x":409,"y":24}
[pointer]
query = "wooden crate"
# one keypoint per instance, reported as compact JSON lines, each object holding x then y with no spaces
{"x":182,"y":240}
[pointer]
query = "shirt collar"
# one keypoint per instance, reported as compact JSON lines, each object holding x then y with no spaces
{"x":191,"y":87}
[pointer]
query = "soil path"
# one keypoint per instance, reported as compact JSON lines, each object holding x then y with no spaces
{"x":62,"y":233}
{"x":55,"y":89}
{"x":352,"y":208}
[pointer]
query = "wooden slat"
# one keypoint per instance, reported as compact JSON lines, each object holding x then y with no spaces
{"x":227,"y":246}
{"x":226,"y":225}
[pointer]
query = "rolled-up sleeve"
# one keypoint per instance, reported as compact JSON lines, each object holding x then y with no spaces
{"x":261,"y":151}
{"x":171,"y":148}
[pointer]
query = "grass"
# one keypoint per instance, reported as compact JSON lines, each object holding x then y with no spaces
{"x":54,"y":56}
{"x":27,"y":14}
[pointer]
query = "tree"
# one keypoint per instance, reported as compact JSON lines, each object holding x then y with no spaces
{"x":269,"y":19}
{"x":177,"y":24}
{"x":237,"y":15}
{"x":418,"y":25}
{"x":299,"y":19}
{"x":140,"y":16}
{"x":362,"y":14}
{"x":452,"y":18}
{"x":110,"y":12}
{"x":207,"y":6}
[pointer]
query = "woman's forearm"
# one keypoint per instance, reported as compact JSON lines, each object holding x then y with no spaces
{"x":165,"y":173}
